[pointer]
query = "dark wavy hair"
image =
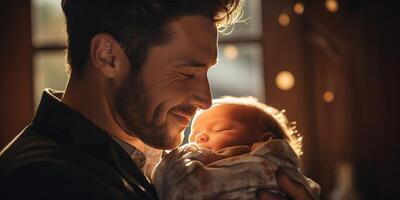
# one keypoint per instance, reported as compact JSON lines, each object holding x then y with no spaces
{"x":136,"y":24}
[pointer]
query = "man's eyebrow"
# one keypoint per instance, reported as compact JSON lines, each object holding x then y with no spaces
{"x":192,"y":64}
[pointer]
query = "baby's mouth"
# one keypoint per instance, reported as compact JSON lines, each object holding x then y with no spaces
{"x":203,"y":145}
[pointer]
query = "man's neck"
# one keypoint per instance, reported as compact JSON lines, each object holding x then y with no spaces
{"x":85,"y":96}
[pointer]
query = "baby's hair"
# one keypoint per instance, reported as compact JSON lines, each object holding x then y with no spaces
{"x":270,"y":119}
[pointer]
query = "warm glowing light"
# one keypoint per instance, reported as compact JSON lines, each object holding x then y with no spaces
{"x":298,"y":8}
{"x":284,"y":19}
{"x":332,"y":5}
{"x":231,"y":52}
{"x":285,"y":80}
{"x":188,"y":164}
{"x":329,"y":96}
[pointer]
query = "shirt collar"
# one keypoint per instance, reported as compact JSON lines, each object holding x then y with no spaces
{"x":56,"y":121}
{"x":52,"y":114}
{"x":135,"y":154}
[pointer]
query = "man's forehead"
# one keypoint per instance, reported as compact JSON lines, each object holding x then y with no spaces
{"x":194,"y":25}
{"x":197,"y":32}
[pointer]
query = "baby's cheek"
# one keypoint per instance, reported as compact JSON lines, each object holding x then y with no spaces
{"x":223,"y":142}
{"x":192,"y":137}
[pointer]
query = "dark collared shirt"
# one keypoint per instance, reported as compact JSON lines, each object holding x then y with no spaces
{"x":137,"y":156}
{"x":63,"y":155}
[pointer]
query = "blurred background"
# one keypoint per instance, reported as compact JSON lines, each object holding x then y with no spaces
{"x":331,"y":64}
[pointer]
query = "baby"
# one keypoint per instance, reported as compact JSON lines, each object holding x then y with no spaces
{"x":236,"y":147}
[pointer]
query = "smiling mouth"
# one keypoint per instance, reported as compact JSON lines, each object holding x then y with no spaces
{"x":182,"y":119}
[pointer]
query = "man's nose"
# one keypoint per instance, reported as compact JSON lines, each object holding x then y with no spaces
{"x":201,"y":138}
{"x":202,"y":97}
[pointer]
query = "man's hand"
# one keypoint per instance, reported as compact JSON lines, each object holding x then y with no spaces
{"x":293,"y":189}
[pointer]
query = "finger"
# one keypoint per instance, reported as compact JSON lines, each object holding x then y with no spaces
{"x":292,"y":188}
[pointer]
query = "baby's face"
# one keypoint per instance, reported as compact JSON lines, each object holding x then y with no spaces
{"x":223,"y":126}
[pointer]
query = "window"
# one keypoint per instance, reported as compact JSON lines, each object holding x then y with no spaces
{"x":239,"y":71}
{"x":49,"y":40}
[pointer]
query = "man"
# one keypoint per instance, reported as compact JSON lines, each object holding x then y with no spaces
{"x":138,"y":73}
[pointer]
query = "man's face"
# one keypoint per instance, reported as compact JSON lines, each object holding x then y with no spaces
{"x":157,"y":105}
{"x":223,"y":126}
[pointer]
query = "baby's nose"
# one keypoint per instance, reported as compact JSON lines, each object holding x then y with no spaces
{"x":201,"y":138}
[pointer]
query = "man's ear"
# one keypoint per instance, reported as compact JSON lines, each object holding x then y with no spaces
{"x":104,"y":52}
{"x":267,"y":136}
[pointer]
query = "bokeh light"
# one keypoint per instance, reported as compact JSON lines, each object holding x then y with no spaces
{"x":285,"y":80}
{"x":332,"y":5}
{"x":329,"y":96}
{"x":231,"y":52}
{"x":298,"y":8}
{"x":284,"y":19}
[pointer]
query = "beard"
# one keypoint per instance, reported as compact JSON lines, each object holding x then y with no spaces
{"x":130,"y":103}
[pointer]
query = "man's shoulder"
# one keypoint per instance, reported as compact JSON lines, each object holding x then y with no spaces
{"x":30,"y":146}
{"x":34,"y":149}
{"x":35,"y":162}
{"x":54,"y":178}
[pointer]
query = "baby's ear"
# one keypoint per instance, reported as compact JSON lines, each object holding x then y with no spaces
{"x":267,"y":136}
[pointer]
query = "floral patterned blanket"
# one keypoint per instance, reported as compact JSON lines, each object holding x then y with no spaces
{"x":192,"y":172}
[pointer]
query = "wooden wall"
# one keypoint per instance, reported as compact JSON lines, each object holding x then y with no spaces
{"x":16,"y":86}
{"x":354,"y":53}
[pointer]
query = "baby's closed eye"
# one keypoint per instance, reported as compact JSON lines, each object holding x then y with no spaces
{"x":222,"y":129}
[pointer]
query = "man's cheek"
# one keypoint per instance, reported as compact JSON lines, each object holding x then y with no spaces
{"x":150,"y":106}
{"x":186,"y":86}
{"x":162,"y":92}
{"x":156,"y":109}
